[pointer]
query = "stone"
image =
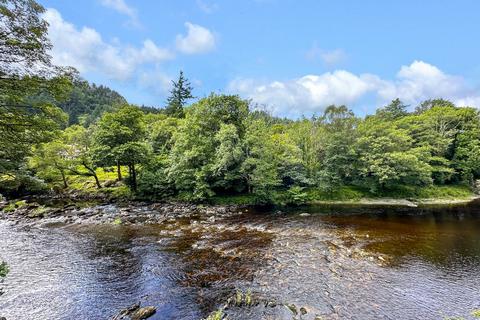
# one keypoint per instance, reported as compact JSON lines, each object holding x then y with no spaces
{"x":143,"y":313}
{"x":303,"y":310}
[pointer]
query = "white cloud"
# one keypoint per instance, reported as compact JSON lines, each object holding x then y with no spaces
{"x":468,"y":101}
{"x":121,"y":7}
{"x":155,"y":80}
{"x":198,"y":40}
{"x":333,"y":57}
{"x":85,"y":50}
{"x":420,"y":81}
{"x":308,"y":94}
{"x":312,"y":93}
{"x":328,"y":57}
{"x":206,"y":7}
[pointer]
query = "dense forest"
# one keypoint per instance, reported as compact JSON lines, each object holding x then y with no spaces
{"x":56,"y":127}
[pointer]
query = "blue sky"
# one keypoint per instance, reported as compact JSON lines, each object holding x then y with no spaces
{"x":292,"y":57}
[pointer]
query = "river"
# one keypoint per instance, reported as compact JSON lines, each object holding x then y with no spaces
{"x":341,"y":262}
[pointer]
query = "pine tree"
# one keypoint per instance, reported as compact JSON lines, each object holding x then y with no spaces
{"x":180,"y":93}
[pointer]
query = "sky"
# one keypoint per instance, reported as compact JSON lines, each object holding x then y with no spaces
{"x":289,"y":57}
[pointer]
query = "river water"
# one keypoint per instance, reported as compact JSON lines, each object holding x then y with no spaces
{"x":333,"y":262}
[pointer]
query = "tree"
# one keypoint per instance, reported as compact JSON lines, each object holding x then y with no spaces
{"x":337,"y":155}
{"x":430,"y":103}
{"x":30,"y":86}
{"x":387,"y":158}
{"x":24,"y":44}
{"x":394,"y":110}
{"x":161,"y":130}
{"x":180,"y":93}
{"x":51,"y":161}
{"x":260,"y":166}
{"x":80,"y":142}
{"x":119,"y":140}
{"x":87,"y":102}
{"x":201,"y":152}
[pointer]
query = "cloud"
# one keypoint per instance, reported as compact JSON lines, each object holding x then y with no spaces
{"x":155,"y":80}
{"x":206,"y":7}
{"x":421,"y":80}
{"x":308,"y":94}
{"x":328,"y":57}
{"x":198,"y":40}
{"x":85,"y":50}
{"x":121,"y":7}
{"x":312,"y":93}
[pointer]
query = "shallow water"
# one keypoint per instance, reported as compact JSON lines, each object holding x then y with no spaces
{"x":337,"y":262}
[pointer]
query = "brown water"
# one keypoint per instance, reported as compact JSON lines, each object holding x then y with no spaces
{"x":337,"y":262}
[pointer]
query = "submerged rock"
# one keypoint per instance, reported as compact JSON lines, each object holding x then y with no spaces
{"x":143,"y":313}
{"x":135,"y":312}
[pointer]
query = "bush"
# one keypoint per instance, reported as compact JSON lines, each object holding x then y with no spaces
{"x":343,"y":193}
{"x":154,"y":184}
{"x":21,"y":185}
{"x":297,"y":196}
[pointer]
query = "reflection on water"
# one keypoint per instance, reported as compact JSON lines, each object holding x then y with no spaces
{"x":338,"y":262}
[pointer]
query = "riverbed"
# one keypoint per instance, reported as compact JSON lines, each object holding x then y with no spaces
{"x":324,"y":262}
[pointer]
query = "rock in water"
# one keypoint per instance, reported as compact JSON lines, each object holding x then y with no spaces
{"x":143,"y":313}
{"x":134,"y":312}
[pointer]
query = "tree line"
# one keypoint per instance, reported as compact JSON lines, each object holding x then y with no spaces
{"x":54,"y":125}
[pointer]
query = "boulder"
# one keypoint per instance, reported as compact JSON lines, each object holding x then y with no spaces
{"x":143,"y":313}
{"x":135,"y":312}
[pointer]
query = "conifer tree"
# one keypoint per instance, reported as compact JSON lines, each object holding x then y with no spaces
{"x":180,"y":93}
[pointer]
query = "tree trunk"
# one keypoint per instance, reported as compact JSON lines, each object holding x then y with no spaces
{"x":119,"y":172}
{"x":97,"y":182}
{"x":64,"y":178}
{"x":133,"y":173}
{"x":94,"y":174}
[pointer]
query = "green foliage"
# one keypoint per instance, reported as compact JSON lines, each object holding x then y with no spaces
{"x":343,"y":193}
{"x":395,"y":110}
{"x":297,"y":196}
{"x":3,"y":269}
{"x":387,"y":157}
{"x":238,"y":199}
{"x":206,"y":152}
{"x":216,"y":315}
{"x":217,"y":148}
{"x":87,"y":102}
{"x":444,"y":192}
{"x":30,"y":88}
{"x":119,"y":139}
{"x":476,"y":313}
{"x":181,"y":92}
{"x":153,"y":182}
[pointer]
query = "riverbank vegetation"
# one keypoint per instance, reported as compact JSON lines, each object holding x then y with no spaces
{"x":61,"y":133}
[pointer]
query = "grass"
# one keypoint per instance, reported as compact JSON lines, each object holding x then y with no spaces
{"x":12,"y":206}
{"x":86,"y":184}
{"x":77,"y":182}
{"x":243,"y":199}
{"x":351,"y":194}
{"x":216,"y":315}
{"x":343,"y":193}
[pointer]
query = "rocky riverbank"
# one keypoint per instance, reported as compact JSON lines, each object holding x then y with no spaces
{"x":67,"y":210}
{"x":81,"y":208}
